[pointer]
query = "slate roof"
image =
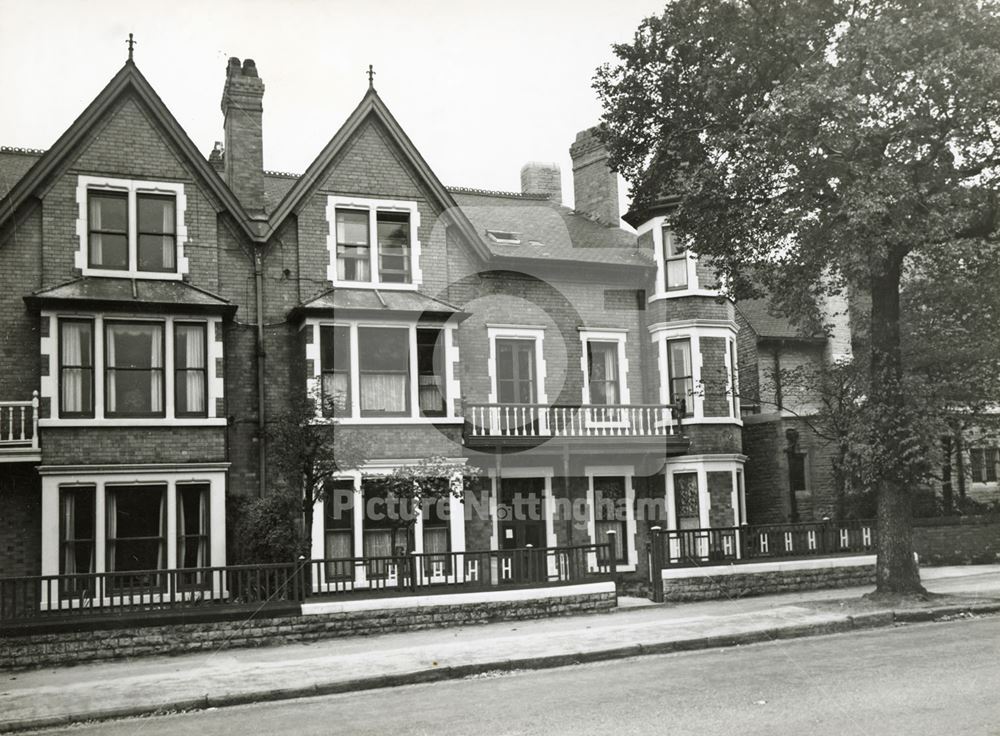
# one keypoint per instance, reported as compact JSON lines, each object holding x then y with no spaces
{"x":770,"y":324}
{"x":548,"y":231}
{"x":276,"y":186}
{"x":131,"y":295}
{"x":14,"y":163}
{"x":380,"y":300}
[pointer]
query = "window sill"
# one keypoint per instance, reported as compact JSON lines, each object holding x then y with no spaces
{"x":391,"y":286}
{"x":664,"y":295}
{"x":142,"y":422}
{"x":112,"y":273}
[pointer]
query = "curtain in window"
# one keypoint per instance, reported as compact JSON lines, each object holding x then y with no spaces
{"x":161,"y":560}
{"x":338,"y":545}
{"x":72,"y":378}
{"x":430,"y":393}
{"x":378,"y":543}
{"x":169,"y":246}
{"x":71,"y":552}
{"x":195,"y":347}
{"x":197,"y":535}
{"x":111,"y":530}
{"x":336,"y":389}
{"x":156,"y":377}
{"x":383,"y":392}
{"x":96,"y":243}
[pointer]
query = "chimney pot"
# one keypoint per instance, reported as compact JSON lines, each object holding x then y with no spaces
{"x":249,"y":68}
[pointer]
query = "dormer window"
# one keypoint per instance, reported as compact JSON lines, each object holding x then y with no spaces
{"x":504,"y":237}
{"x":373,"y":243}
{"x":131,"y":229}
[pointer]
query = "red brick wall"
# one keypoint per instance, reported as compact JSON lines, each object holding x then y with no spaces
{"x":20,"y":520}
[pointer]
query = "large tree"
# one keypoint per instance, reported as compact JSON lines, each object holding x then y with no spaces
{"x":825,"y":144}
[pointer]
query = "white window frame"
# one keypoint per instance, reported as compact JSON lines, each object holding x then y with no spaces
{"x":133,"y":188}
{"x":662,"y":333}
{"x":55,"y":478}
{"x":655,"y":227}
{"x":629,"y":545}
{"x":453,"y":389}
{"x":513,"y":332}
{"x":373,"y":207}
{"x":612,"y":336}
{"x":214,"y":384}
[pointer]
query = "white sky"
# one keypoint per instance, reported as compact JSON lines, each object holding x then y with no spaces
{"x":480,"y":87}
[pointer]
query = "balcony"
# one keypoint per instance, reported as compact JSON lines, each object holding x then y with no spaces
{"x":531,"y":425}
{"x":19,"y":431}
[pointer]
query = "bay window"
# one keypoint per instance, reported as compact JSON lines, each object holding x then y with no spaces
{"x":430,"y":372}
{"x":123,"y":371}
{"x":338,"y":529}
{"x":76,"y":368}
{"x":193,"y":524}
{"x":679,"y":371}
{"x":368,"y":373}
{"x":76,"y":537}
{"x":136,"y":534}
{"x":335,"y":360}
{"x":190,"y":369}
{"x":611,"y":515}
{"x":674,"y":261}
{"x":133,"y":374}
{"x":384,"y":370}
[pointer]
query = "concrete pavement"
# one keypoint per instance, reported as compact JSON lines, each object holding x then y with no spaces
{"x":58,"y":696}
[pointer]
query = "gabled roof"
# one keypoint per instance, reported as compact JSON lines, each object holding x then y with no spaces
{"x":548,"y":231}
{"x":371,"y":105}
{"x":131,"y":295}
{"x":379,"y":301}
{"x":128,"y":78}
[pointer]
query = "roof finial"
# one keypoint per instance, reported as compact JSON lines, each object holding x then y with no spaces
{"x":131,"y":43}
{"x":371,"y":77}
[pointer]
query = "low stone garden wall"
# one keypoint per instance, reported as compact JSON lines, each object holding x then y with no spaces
{"x":957,"y":540}
{"x":740,"y":581}
{"x":347,"y":618}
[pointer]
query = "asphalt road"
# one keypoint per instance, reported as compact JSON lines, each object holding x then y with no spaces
{"x":938,"y":678}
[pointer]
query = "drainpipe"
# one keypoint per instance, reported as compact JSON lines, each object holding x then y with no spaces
{"x":258,"y":272}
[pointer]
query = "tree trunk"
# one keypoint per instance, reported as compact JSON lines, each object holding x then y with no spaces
{"x":896,"y":570}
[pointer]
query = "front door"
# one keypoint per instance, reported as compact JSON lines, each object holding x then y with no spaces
{"x":521,"y":525}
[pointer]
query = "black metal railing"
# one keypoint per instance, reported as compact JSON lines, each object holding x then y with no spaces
{"x":511,"y":568}
{"x":693,"y":547}
{"x":141,"y":591}
{"x":679,"y":548}
{"x":285,"y":586}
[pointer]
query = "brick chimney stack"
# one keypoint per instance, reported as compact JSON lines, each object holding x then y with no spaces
{"x":542,"y":178}
{"x":595,"y":186}
{"x":242,"y":106}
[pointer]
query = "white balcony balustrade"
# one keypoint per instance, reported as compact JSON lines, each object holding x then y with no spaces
{"x":560,"y":420}
{"x":19,"y":429}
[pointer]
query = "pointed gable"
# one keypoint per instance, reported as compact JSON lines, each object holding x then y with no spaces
{"x":372,"y":118}
{"x":127,"y":100}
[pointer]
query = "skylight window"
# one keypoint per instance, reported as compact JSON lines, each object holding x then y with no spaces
{"x":507,"y":238}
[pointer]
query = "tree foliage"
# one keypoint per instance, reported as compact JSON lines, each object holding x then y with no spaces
{"x":822,"y":146}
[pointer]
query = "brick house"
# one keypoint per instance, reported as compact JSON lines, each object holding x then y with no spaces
{"x":159,"y":306}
